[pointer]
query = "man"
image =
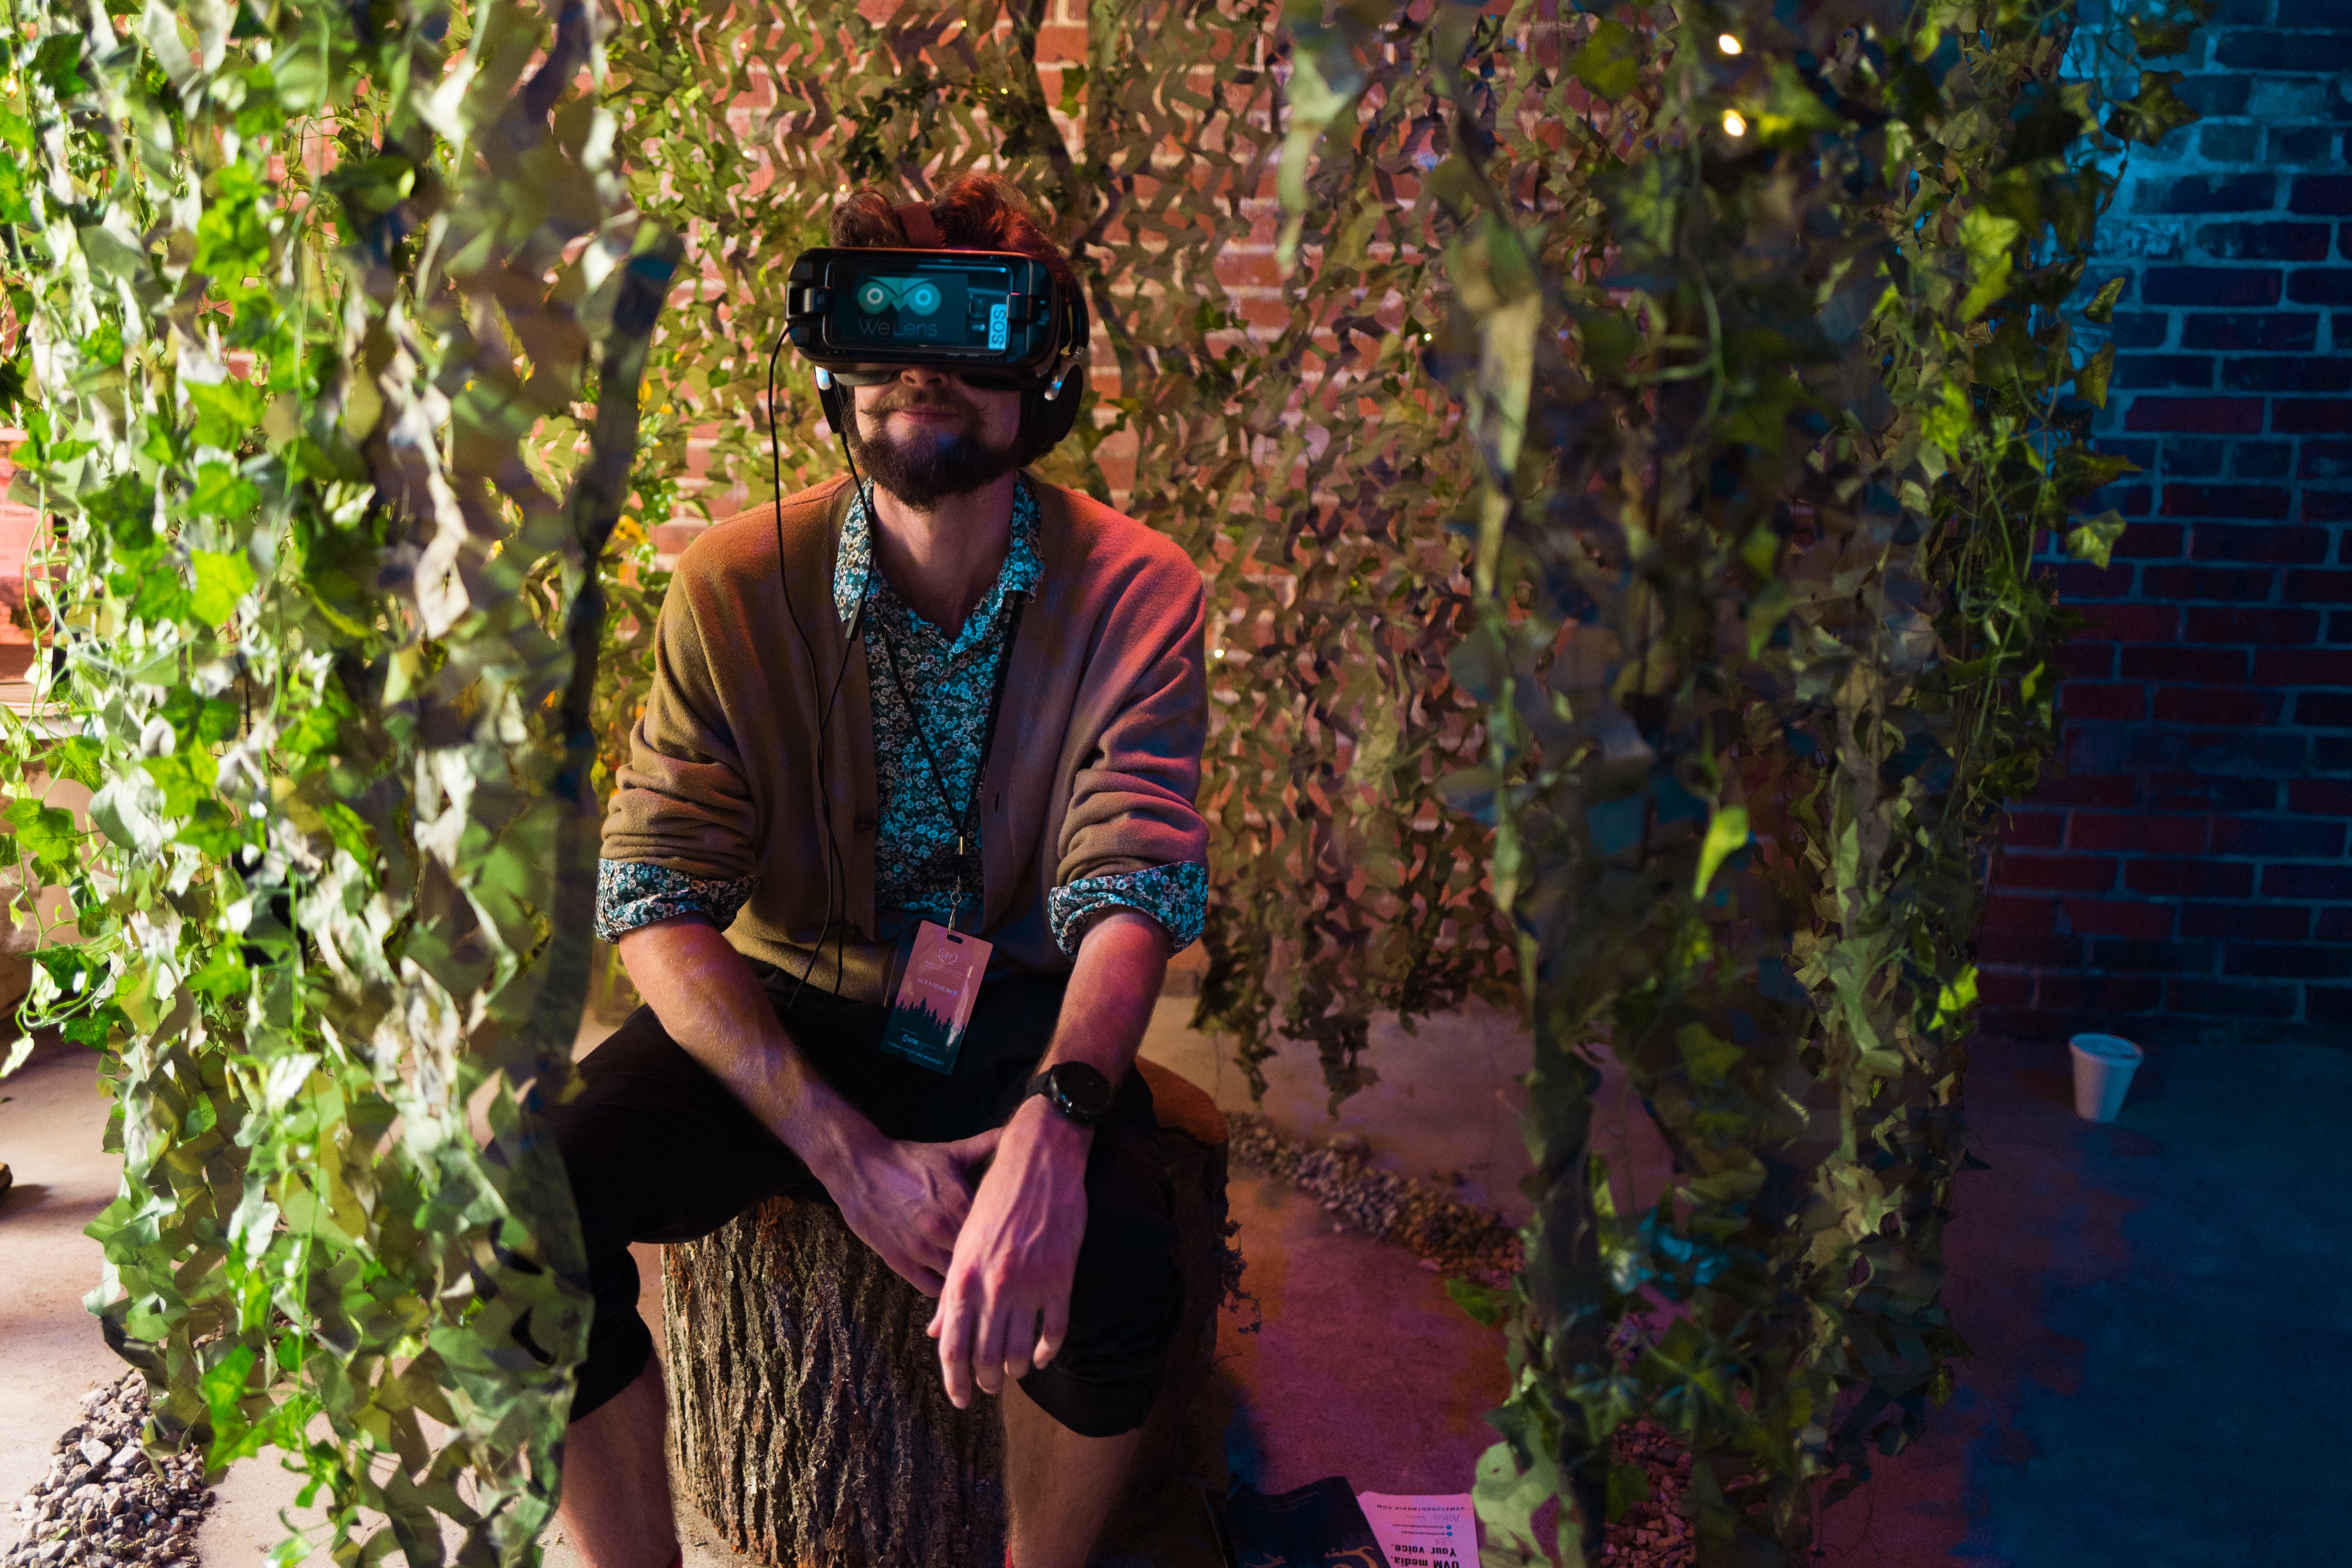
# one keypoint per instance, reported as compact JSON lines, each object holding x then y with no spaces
{"x":979,"y":706}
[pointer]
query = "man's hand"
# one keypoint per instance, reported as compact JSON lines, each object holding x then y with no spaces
{"x":1006,"y":1307}
{"x":908,"y":1202}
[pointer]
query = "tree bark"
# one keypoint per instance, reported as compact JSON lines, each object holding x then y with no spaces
{"x":807,"y":1418}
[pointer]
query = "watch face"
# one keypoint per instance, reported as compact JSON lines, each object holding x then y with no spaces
{"x":1080,"y":1090}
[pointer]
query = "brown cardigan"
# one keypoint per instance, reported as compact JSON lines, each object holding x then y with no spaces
{"x":1095,"y":767}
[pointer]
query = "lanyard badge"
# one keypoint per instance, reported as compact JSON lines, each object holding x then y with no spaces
{"x":943,"y":976}
{"x":936,"y":997}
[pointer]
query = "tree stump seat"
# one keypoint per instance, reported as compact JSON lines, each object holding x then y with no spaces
{"x":808,"y":1421}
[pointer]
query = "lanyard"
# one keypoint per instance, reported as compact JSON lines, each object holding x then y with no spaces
{"x":965,"y":822}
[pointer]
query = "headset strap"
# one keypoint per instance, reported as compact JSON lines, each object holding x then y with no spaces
{"x":923,"y":232}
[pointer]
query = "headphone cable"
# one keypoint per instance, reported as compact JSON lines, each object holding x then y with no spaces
{"x":836,"y":874}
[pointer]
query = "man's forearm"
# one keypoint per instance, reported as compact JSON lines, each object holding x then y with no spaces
{"x":1121,"y":964}
{"x":707,"y":997}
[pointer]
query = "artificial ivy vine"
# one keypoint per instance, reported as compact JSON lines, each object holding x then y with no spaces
{"x":335,"y":321}
{"x":1763,"y":322}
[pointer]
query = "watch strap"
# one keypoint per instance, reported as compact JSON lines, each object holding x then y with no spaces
{"x":1043,"y":1084}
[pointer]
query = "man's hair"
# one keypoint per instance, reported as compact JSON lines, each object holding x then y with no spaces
{"x":975,"y":212}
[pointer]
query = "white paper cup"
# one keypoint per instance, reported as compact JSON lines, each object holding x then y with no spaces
{"x":2104,"y":1065}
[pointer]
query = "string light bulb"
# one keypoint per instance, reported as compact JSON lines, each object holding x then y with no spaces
{"x":1726,"y":43}
{"x":1733,"y":124}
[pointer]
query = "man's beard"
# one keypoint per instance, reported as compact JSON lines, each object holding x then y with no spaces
{"x":924,"y":469}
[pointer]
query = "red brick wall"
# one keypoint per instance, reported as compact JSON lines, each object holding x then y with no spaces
{"x":2187,"y":878}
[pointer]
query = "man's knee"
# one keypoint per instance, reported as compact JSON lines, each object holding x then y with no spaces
{"x":1108,"y":1372}
{"x":1126,"y":1301}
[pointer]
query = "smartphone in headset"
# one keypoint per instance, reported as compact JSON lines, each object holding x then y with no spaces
{"x":996,"y":320}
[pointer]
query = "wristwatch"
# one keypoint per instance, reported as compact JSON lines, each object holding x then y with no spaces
{"x":1075,"y":1090}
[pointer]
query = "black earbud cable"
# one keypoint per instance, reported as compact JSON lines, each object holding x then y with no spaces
{"x":837,"y":880}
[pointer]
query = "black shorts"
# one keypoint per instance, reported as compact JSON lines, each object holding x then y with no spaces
{"x":659,"y":1149}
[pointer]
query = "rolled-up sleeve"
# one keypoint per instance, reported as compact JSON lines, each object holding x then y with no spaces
{"x":1133,"y":836}
{"x":630,"y":894}
{"x":1176,"y":896}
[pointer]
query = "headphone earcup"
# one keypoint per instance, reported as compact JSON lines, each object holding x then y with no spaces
{"x":834,"y":398}
{"x":1049,"y":421}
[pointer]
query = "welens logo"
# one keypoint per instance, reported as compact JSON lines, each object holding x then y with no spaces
{"x":916,"y":296}
{"x":886,"y":327}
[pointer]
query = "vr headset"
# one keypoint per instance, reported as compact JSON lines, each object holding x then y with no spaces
{"x":996,"y":320}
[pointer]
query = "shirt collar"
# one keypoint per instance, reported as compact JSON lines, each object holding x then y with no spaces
{"x":853,"y":567}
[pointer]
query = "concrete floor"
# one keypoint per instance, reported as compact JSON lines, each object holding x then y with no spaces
{"x":2161,"y":1312}
{"x":50,"y":1354}
{"x":2159,"y":1309}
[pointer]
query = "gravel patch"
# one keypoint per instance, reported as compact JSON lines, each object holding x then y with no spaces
{"x":103,"y":1504}
{"x":1448,"y":1235}
{"x":1654,"y":1534}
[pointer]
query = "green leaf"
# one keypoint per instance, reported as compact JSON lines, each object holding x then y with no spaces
{"x":93,"y":1029}
{"x":1958,"y":996}
{"x":160,"y":599}
{"x":1486,"y":1305}
{"x":1629,"y":1485}
{"x":222,"y":975}
{"x":1609,"y":344}
{"x":214,"y":828}
{"x":210,"y":719}
{"x":125,"y":508}
{"x":185,"y":777}
{"x":2159,"y":35}
{"x":223,"y":1386}
{"x":46,"y":832}
{"x":1791,"y":108}
{"x":2080,"y":470}
{"x":2091,"y":380}
{"x":2152,"y":113}
{"x":222,"y":491}
{"x":315,"y":731}
{"x":1727,"y":835}
{"x":221,"y":581}
{"x":14,"y":206}
{"x":2046,"y":132}
{"x":2094,"y":537}
{"x":1950,"y":421}
{"x":1610,"y":63}
{"x":227,"y":412}
{"x":103,"y":345}
{"x":1987,"y":237}
{"x":350,"y":832}
{"x":2102,"y":308}
{"x":58,"y":64}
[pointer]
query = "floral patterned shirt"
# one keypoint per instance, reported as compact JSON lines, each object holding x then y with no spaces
{"x":948,"y":682}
